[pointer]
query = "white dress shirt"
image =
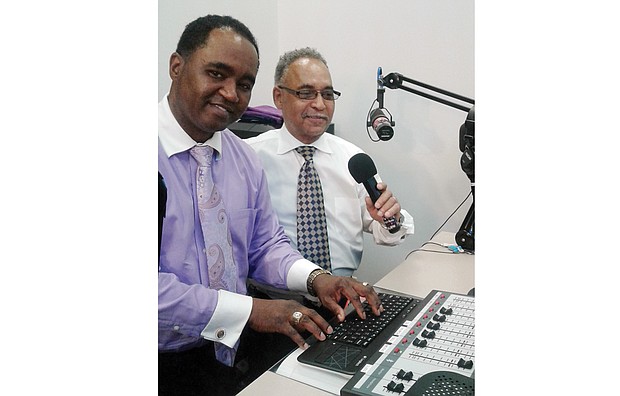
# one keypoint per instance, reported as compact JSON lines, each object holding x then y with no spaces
{"x":345,"y":205}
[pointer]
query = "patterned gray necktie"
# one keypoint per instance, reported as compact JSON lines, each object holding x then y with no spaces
{"x":312,"y":240}
{"x":218,"y":242}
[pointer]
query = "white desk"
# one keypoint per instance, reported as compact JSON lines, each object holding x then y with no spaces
{"x":271,"y":383}
{"x":432,"y":267}
{"x":424,"y":270}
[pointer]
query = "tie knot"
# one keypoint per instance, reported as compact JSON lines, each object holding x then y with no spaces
{"x":202,"y":154}
{"x":306,"y":151}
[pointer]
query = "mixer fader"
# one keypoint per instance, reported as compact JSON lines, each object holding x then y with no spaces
{"x":439,"y":338}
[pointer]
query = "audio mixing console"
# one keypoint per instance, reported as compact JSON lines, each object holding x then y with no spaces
{"x":438,"y":337}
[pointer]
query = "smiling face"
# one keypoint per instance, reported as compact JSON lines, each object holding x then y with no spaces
{"x":307,"y":120}
{"x":212,"y":87}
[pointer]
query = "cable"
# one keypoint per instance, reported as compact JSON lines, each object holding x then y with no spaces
{"x":449,"y":217}
{"x":429,"y":242}
{"x":433,"y":243}
{"x":367,"y":117}
{"x":422,"y":250}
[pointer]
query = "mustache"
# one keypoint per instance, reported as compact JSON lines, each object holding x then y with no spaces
{"x":318,"y":116}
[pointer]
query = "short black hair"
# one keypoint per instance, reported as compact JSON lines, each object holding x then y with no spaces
{"x":196,"y":33}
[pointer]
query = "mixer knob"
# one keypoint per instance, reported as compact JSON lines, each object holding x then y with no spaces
{"x":407,"y":376}
{"x":394,"y":387}
{"x":433,"y":326}
{"x":466,"y":364}
{"x":439,"y":318}
{"x":445,"y":311}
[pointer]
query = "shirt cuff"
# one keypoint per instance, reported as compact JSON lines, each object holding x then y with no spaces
{"x":298,"y":275}
{"x":383,"y":237}
{"x":230,"y":317}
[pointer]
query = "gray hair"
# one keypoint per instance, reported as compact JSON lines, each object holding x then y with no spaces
{"x":291,"y":56}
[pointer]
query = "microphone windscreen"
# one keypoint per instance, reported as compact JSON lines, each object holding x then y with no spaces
{"x":361,"y":167}
{"x":376,"y":113}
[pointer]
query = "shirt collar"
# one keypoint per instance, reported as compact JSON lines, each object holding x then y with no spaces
{"x":175,"y":140}
{"x":288,"y":142}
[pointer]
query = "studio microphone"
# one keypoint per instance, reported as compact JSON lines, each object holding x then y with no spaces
{"x":363,"y":170}
{"x":381,"y":124}
{"x":380,"y":118}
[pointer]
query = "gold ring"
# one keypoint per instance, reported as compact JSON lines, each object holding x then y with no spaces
{"x":297,"y":317}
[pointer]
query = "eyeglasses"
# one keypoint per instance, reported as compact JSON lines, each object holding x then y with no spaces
{"x":311,"y":94}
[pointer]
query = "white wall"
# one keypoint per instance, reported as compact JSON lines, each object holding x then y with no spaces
{"x":429,"y":41}
{"x":261,"y":17}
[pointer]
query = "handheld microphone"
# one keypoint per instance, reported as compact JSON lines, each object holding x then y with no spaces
{"x":363,"y":170}
{"x":379,"y":120}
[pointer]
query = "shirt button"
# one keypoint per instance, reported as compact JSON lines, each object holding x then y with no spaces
{"x":176,"y":328}
{"x":220,"y":333}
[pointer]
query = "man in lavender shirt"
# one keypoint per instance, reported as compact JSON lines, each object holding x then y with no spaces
{"x":213,"y":72}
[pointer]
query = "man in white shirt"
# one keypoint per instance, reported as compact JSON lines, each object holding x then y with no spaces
{"x":304,"y":92}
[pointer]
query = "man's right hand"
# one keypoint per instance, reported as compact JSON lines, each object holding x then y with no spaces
{"x":276,"y":316}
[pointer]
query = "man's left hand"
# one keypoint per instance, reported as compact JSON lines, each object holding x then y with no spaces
{"x":330,"y":289}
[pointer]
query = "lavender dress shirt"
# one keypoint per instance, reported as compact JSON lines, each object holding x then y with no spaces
{"x":189,"y":311}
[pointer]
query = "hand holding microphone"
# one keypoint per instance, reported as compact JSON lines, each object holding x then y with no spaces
{"x":363,"y":170}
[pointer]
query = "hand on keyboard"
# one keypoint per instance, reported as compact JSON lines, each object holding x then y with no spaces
{"x":277,"y":316}
{"x":331,"y":289}
{"x":362,"y":332}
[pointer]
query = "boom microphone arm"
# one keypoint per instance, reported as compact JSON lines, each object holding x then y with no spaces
{"x":465,"y":235}
{"x":395,"y":81}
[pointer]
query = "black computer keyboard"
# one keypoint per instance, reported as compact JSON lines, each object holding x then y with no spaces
{"x":355,"y":339}
{"x":360,"y":332}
